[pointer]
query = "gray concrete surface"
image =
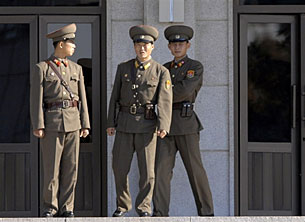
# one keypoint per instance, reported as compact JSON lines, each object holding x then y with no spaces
{"x":212,"y":44}
{"x":159,"y":219}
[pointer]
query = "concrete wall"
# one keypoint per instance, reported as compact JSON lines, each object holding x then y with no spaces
{"x":212,"y":45}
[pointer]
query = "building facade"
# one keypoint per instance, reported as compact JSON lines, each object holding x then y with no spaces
{"x":251,"y":103}
{"x":212,"y":45}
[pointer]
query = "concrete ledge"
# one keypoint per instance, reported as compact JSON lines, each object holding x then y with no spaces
{"x":158,"y":219}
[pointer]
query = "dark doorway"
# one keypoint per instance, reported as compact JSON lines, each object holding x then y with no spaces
{"x":22,"y":45}
{"x":269,"y":115}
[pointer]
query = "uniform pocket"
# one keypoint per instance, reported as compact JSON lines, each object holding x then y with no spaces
{"x":150,"y":90}
{"x":51,"y":77}
{"x":152,"y":82}
{"x":74,"y":78}
{"x":51,"y":82}
{"x":126,"y":85}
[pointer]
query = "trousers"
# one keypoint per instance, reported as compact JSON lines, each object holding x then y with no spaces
{"x":188,"y":147}
{"x":60,"y":155}
{"x":125,"y":144}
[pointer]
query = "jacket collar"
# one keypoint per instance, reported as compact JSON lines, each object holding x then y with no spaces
{"x":177,"y":64}
{"x":59,"y":61}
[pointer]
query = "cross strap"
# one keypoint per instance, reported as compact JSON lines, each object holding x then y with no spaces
{"x":63,"y":82}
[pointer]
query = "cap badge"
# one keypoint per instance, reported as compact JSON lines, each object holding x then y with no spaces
{"x":177,"y":36}
{"x":142,"y":37}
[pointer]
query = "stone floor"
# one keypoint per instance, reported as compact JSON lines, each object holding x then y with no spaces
{"x":158,"y":219}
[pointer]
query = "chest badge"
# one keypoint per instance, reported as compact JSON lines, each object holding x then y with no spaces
{"x":190,"y":74}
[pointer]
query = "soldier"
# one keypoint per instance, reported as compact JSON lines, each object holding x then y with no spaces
{"x":186,"y":75}
{"x":140,"y":85}
{"x":59,"y":116}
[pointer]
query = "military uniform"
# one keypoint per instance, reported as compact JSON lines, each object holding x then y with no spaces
{"x":53,"y":110}
{"x":138,"y":86}
{"x":186,"y":76}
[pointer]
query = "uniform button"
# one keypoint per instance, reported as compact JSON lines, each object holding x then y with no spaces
{"x":176,"y":66}
{"x":64,"y":73}
{"x":139,"y":76}
{"x":134,"y":96}
{"x":173,"y":76}
{"x":64,"y":93}
{"x":52,"y":74}
{"x":138,"y":101}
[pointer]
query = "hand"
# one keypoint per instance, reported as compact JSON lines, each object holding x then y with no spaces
{"x":84,"y":133}
{"x":161,"y":133}
{"x":38,"y":133}
{"x":110,"y":131}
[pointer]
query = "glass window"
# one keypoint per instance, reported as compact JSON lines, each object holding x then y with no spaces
{"x":269,"y":82}
{"x":14,"y":83}
{"x":49,"y":3}
{"x":82,"y":56}
{"x":272,"y":2}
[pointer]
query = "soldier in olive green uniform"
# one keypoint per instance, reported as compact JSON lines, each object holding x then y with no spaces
{"x":140,"y":85}
{"x":186,"y":75}
{"x":59,"y":116}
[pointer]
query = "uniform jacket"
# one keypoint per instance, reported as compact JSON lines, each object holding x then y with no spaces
{"x":154,"y":86}
{"x":186,"y":78}
{"x":46,"y":88}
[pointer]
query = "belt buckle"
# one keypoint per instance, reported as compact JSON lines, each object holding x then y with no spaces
{"x":133,"y":109}
{"x":65,"y":104}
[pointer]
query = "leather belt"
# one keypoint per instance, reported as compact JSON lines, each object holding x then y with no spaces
{"x":180,"y":105}
{"x":61,"y":104}
{"x":132,"y":109}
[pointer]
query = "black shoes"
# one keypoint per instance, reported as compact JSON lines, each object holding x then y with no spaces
{"x":144,"y":214}
{"x":67,"y":214}
{"x":64,"y":214}
{"x":47,"y":214}
{"x":210,"y":215}
{"x":118,"y":213}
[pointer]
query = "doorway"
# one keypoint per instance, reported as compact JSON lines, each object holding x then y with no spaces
{"x":271,"y":103}
{"x":23,"y":44}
